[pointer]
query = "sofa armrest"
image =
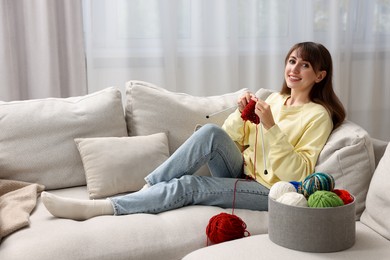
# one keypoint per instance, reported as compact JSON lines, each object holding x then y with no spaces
{"x":379,"y":149}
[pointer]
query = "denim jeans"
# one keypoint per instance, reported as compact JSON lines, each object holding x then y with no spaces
{"x":173,"y":184}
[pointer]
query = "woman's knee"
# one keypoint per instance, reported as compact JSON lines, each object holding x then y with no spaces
{"x":213,"y":130}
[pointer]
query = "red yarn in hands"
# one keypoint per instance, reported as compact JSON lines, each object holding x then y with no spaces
{"x":249,"y":113}
{"x":344,"y":195}
{"x":225,"y":227}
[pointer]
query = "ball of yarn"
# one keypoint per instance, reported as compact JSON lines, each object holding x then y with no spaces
{"x":344,"y":195}
{"x":280,"y":188}
{"x":324,"y":199}
{"x":249,"y":112}
{"x":298,"y":186}
{"x":293,"y":199}
{"x":224,"y":227}
{"x":317,"y":181}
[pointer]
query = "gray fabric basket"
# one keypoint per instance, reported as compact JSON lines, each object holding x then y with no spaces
{"x":319,"y":230}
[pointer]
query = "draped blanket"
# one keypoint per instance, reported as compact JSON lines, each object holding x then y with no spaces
{"x":17,"y":200}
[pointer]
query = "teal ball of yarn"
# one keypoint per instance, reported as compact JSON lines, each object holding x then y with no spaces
{"x":317,"y":181}
{"x":324,"y":199}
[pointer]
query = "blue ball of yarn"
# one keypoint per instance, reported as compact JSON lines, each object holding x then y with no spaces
{"x":298,"y":186}
{"x":317,"y":181}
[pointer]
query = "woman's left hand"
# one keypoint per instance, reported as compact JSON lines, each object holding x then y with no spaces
{"x":263,"y":111}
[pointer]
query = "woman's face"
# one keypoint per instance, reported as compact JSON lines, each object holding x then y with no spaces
{"x":300,"y":75}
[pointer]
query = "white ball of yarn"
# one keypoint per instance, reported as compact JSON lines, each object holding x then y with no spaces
{"x":293,"y":199}
{"x":280,"y":188}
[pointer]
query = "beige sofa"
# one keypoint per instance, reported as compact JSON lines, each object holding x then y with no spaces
{"x":89,"y":147}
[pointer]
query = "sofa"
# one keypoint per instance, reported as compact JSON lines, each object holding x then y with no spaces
{"x":95,"y":146}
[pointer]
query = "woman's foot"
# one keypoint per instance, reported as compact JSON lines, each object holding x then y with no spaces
{"x":76,"y":209}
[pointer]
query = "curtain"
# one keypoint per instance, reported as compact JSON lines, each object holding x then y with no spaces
{"x":210,"y":47}
{"x":41,"y":49}
{"x":201,"y":47}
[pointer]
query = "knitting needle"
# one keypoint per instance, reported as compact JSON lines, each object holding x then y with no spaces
{"x":221,"y":111}
{"x":264,"y":155}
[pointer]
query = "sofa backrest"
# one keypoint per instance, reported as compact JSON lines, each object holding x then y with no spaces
{"x":37,"y":136}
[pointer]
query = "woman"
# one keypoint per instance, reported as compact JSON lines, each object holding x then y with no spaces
{"x":297,"y":122}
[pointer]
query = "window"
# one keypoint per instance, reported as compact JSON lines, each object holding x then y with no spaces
{"x":143,"y":27}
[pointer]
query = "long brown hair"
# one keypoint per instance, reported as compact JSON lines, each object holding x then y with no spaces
{"x":322,"y":92}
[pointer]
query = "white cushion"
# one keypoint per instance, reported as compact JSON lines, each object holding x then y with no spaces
{"x":151,"y":109}
{"x":37,"y":136}
{"x":116,"y":165}
{"x":377,"y":212}
{"x":349,"y":156}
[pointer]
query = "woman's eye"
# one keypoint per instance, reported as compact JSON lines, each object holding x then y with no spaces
{"x":291,"y":61}
{"x":306,"y":65}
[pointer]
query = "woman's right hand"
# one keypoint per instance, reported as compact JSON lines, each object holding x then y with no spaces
{"x":244,"y":100}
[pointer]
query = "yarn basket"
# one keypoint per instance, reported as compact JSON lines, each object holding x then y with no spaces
{"x":310,"y":229}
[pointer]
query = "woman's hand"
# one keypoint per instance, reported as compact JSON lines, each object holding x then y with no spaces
{"x":263,"y":111}
{"x":244,"y":100}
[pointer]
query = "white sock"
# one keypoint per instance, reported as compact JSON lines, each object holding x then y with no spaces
{"x":76,"y":209}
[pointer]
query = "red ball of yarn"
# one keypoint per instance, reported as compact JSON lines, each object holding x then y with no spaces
{"x":249,"y":112}
{"x":224,"y":227}
{"x":344,"y":195}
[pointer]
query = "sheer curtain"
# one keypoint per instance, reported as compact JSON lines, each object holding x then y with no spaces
{"x":41,"y":49}
{"x":210,"y":47}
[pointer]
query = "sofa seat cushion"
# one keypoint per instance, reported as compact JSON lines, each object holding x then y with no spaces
{"x":168,"y":235}
{"x":368,"y":244}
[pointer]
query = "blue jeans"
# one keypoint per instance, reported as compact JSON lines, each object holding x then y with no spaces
{"x":173,"y":184}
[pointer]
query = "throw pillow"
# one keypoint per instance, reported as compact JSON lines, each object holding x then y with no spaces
{"x":115,"y":165}
{"x":152,"y":109}
{"x":377,"y":212}
{"x":349,"y":156}
{"x":37,"y":136}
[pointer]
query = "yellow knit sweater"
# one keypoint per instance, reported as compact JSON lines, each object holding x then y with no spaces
{"x":292,"y":145}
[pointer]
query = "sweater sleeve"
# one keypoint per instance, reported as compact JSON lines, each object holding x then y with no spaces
{"x":236,"y":128}
{"x":295,"y":162}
